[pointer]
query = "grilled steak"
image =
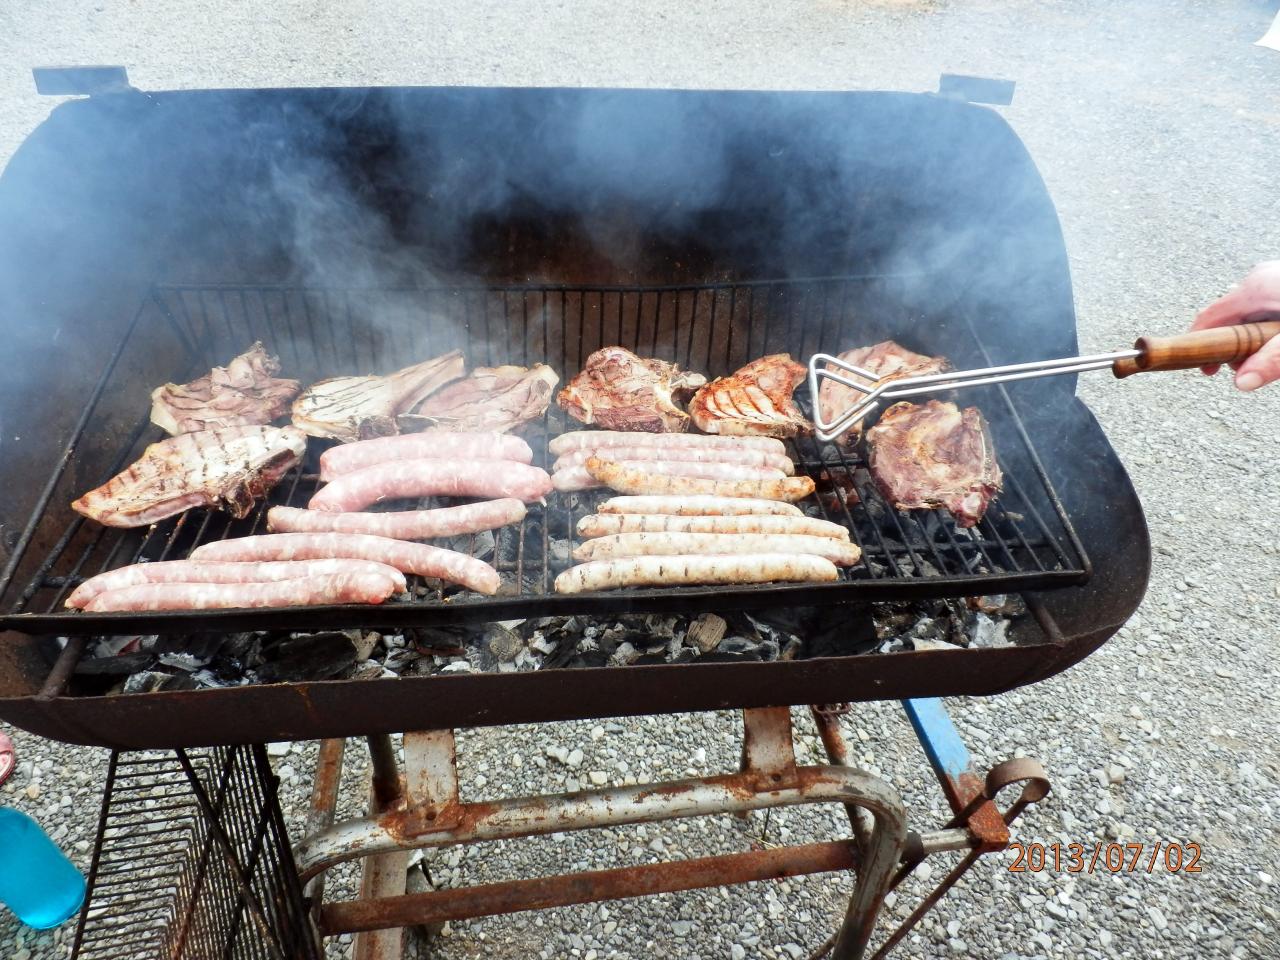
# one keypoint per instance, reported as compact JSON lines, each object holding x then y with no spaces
{"x":492,"y":399}
{"x":356,"y":408}
{"x":245,"y":391}
{"x":620,"y":391}
{"x":226,"y":467}
{"x":887,"y":361}
{"x":754,"y":401}
{"x":930,"y":455}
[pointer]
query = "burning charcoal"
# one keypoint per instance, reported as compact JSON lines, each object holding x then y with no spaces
{"x":186,"y":662}
{"x":121,"y":665}
{"x":315,"y":656}
{"x":747,"y":649}
{"x":559,"y":552}
{"x":114,"y":646}
{"x":152,"y":682}
{"x":769,"y":649}
{"x":624,"y":655}
{"x":480,"y":545}
{"x":706,"y":631}
{"x":451,"y":639}
{"x":202,"y":647}
{"x":399,"y":661}
{"x":502,"y":643}
{"x":458,"y":666}
{"x":986,"y":632}
{"x":684,"y":655}
{"x":792,"y":650}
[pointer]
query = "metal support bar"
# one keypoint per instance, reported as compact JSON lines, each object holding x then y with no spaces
{"x":545,"y":892}
{"x":324,"y":801}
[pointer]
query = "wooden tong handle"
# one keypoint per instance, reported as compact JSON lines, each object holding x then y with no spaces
{"x":1188,"y":350}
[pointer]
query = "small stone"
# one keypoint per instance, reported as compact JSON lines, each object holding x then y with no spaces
{"x":610,"y":927}
{"x":1157,"y":917}
{"x":953,"y":928}
{"x":958,"y":946}
{"x":557,"y":752}
{"x":1115,"y":773}
{"x":575,"y":758}
{"x":598,"y":777}
{"x":737,"y":952}
{"x":1104,"y":938}
{"x":32,"y":791}
{"x":794,"y":950}
{"x":682,"y":928}
{"x":924,"y":872}
{"x":1264,"y":877}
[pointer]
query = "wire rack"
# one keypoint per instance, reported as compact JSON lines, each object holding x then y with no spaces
{"x":192,"y":862}
{"x":1026,"y":541}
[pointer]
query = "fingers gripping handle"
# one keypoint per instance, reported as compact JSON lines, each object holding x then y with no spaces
{"x":1188,"y":350}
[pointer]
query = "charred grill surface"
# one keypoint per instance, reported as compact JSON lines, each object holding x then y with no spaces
{"x":1024,"y":542}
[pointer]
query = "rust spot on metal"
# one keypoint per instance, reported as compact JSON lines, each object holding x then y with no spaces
{"x":558,"y":891}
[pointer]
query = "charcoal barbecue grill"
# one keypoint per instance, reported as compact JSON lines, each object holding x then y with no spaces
{"x":152,"y":235}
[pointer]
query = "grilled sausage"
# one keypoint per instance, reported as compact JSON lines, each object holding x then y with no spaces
{"x":710,"y":570}
{"x":401,"y":524}
{"x":605,"y":439}
{"x":748,"y":456}
{"x":621,"y":545}
{"x":607,"y":524}
{"x":432,"y":478}
{"x":351,"y":457}
{"x":417,"y":558}
{"x":579,"y":478}
{"x":627,"y":480}
{"x":300,"y":592}
{"x":197,"y":571}
{"x":699,"y":506}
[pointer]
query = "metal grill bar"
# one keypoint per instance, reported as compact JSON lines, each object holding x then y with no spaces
{"x":1025,"y":542}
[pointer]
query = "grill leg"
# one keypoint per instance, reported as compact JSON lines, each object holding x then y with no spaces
{"x":383,"y":875}
{"x":429,"y":814}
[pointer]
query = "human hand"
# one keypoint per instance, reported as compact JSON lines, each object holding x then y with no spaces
{"x":1253,"y":298}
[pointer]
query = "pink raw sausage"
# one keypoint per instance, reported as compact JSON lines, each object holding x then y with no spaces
{"x":301,"y":592}
{"x":422,"y":446}
{"x":400,"y":524}
{"x":432,"y":478}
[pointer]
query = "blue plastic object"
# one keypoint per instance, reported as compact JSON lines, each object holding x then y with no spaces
{"x":37,"y":881}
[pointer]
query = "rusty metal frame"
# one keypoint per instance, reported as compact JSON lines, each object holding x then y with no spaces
{"x":421,"y":808}
{"x":426,"y":811}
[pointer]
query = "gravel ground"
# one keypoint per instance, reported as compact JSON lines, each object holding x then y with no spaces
{"x":1157,"y":127}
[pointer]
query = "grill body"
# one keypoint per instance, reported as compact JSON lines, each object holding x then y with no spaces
{"x":359,"y":230}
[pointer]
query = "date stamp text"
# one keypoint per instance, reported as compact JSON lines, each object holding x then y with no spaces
{"x":1157,"y":856}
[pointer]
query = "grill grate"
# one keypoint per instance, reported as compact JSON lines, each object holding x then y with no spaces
{"x":192,"y":860}
{"x":1025,"y":542}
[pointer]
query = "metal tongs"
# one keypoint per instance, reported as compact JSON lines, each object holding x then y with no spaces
{"x":1182,"y":352}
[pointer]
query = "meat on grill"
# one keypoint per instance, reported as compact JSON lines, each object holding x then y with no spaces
{"x":495,"y":399}
{"x":621,"y":391}
{"x":925,"y":456}
{"x":355,"y":408}
{"x":579,"y":477}
{"x":676,"y":544}
{"x":399,"y":479}
{"x":698,"y":506}
{"x":401,"y":524}
{"x":226,"y":467}
{"x":747,"y":456}
{"x":416,"y":558}
{"x":210,"y":571}
{"x":704,"y":570}
{"x":754,"y":401}
{"x":244,"y":392}
{"x":887,"y":361}
{"x":350,"y":457}
{"x":606,"y":524}
{"x":640,"y":482}
{"x":593,"y":440}
{"x":302,"y":592}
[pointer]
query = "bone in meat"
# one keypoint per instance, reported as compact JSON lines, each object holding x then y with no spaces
{"x":706,"y":570}
{"x":887,"y":361}
{"x":416,"y":558}
{"x":925,"y":456}
{"x":244,"y":392}
{"x":495,"y":399}
{"x":302,"y":592}
{"x":621,"y":391}
{"x":356,"y":408}
{"x":432,"y":478}
{"x":226,"y":467}
{"x":755,"y":400}
{"x":209,"y":571}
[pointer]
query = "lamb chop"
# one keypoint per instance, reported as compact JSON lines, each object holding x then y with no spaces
{"x":930,"y":455}
{"x":226,"y":467}
{"x":357,"y":408}
{"x":491,"y":399}
{"x":245,"y":391}
{"x":888,"y":361}
{"x":754,"y":401}
{"x":619,"y":391}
